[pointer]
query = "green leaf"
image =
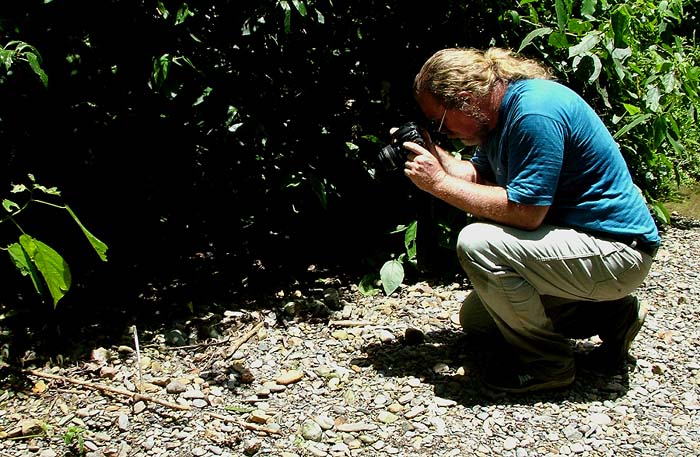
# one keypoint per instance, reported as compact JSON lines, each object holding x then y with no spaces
{"x":47,"y":190}
{"x":563,"y":11}
{"x":558,"y":40}
{"x":660,"y":131}
{"x":16,"y":188}
{"x":300,"y":7}
{"x":366,"y":286}
{"x":588,"y":8}
{"x":678,"y":147}
{"x":36,"y":67}
{"x":25,"y":265}
{"x":653,"y":97}
{"x":661,"y":212}
{"x":620,"y":20}
{"x":578,"y":27}
{"x":588,"y":42}
{"x":9,"y":205}
{"x":410,"y":240}
{"x":631,"y":108}
{"x":50,"y":264}
{"x":97,"y":245}
{"x":392,"y":275}
{"x":636,"y":120}
{"x":532,"y":35}
{"x":319,"y":188}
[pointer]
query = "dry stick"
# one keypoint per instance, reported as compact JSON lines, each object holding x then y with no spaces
{"x":236,"y":344}
{"x":191,"y":346}
{"x":349,"y":323}
{"x":103,"y":388}
{"x":239,"y":342}
{"x":138,"y":356}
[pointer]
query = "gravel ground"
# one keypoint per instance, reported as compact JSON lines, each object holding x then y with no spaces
{"x":333,"y":373}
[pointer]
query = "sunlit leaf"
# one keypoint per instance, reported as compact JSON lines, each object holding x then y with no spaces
{"x":532,"y":35}
{"x":366,"y":286}
{"x":9,"y":205}
{"x":586,"y":44}
{"x":392,"y":275}
{"x":50,"y":264}
{"x":36,"y":68}
{"x":25,"y":266}
{"x":96,"y":244}
{"x":636,"y":120}
{"x":410,"y":240}
{"x":660,"y":211}
{"x":588,"y":8}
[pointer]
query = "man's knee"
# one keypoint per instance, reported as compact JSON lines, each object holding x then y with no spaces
{"x":474,"y":237}
{"x":474,"y":318}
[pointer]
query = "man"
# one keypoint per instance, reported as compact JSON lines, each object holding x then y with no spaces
{"x":564,"y":236}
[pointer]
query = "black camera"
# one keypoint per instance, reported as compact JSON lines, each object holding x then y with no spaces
{"x":394,"y":155}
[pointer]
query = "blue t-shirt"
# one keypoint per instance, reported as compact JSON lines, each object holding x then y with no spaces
{"x":551,"y":148}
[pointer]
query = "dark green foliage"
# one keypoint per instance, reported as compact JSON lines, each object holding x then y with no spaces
{"x":223,"y":145}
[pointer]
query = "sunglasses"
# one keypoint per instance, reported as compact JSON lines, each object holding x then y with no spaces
{"x":436,"y":127}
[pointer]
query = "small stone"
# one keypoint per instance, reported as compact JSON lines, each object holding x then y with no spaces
{"x":679,"y":421}
{"x":386,"y":336}
{"x":259,"y":417}
{"x":600,"y":419}
{"x":175,"y":387}
{"x":310,"y":430}
{"x":123,"y":422}
{"x":387,"y":418}
{"x":510,"y":443}
{"x":289,"y":377}
{"x":413,"y":336}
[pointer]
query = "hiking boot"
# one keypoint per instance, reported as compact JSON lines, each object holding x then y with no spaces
{"x":614,"y":349}
{"x":524,"y":381}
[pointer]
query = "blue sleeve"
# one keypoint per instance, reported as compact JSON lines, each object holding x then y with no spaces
{"x":535,"y":159}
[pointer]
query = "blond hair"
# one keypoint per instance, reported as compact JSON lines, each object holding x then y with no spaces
{"x":453,"y":70}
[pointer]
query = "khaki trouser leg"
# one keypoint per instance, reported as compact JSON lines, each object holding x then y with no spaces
{"x":517,"y":275}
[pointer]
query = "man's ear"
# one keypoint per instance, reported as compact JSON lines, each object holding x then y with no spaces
{"x":466,"y":98}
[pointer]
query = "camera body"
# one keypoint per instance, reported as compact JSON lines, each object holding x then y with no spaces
{"x":394,"y":155}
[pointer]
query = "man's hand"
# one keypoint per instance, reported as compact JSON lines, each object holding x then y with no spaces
{"x":423,"y":168}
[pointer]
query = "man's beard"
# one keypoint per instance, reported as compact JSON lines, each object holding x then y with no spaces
{"x":479,"y":137}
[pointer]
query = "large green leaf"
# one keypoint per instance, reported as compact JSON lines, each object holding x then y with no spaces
{"x":563,"y":11}
{"x":50,"y":264}
{"x":98,"y":245}
{"x":25,"y":265}
{"x":392,"y":275}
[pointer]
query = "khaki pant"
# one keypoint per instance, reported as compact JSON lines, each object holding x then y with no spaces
{"x":539,"y":288}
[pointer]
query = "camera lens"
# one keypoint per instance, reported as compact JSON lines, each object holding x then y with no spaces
{"x":393,"y":156}
{"x":389,"y":158}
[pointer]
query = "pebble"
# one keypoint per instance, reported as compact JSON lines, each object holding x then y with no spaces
{"x":391,"y":378}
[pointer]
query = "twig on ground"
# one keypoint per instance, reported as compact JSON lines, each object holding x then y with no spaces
{"x":349,"y":323}
{"x":194,"y":346}
{"x":239,"y":342}
{"x":138,"y":356}
{"x":134,"y":395}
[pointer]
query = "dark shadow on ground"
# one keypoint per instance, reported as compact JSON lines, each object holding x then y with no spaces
{"x":437,"y":359}
{"x":190,"y":305}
